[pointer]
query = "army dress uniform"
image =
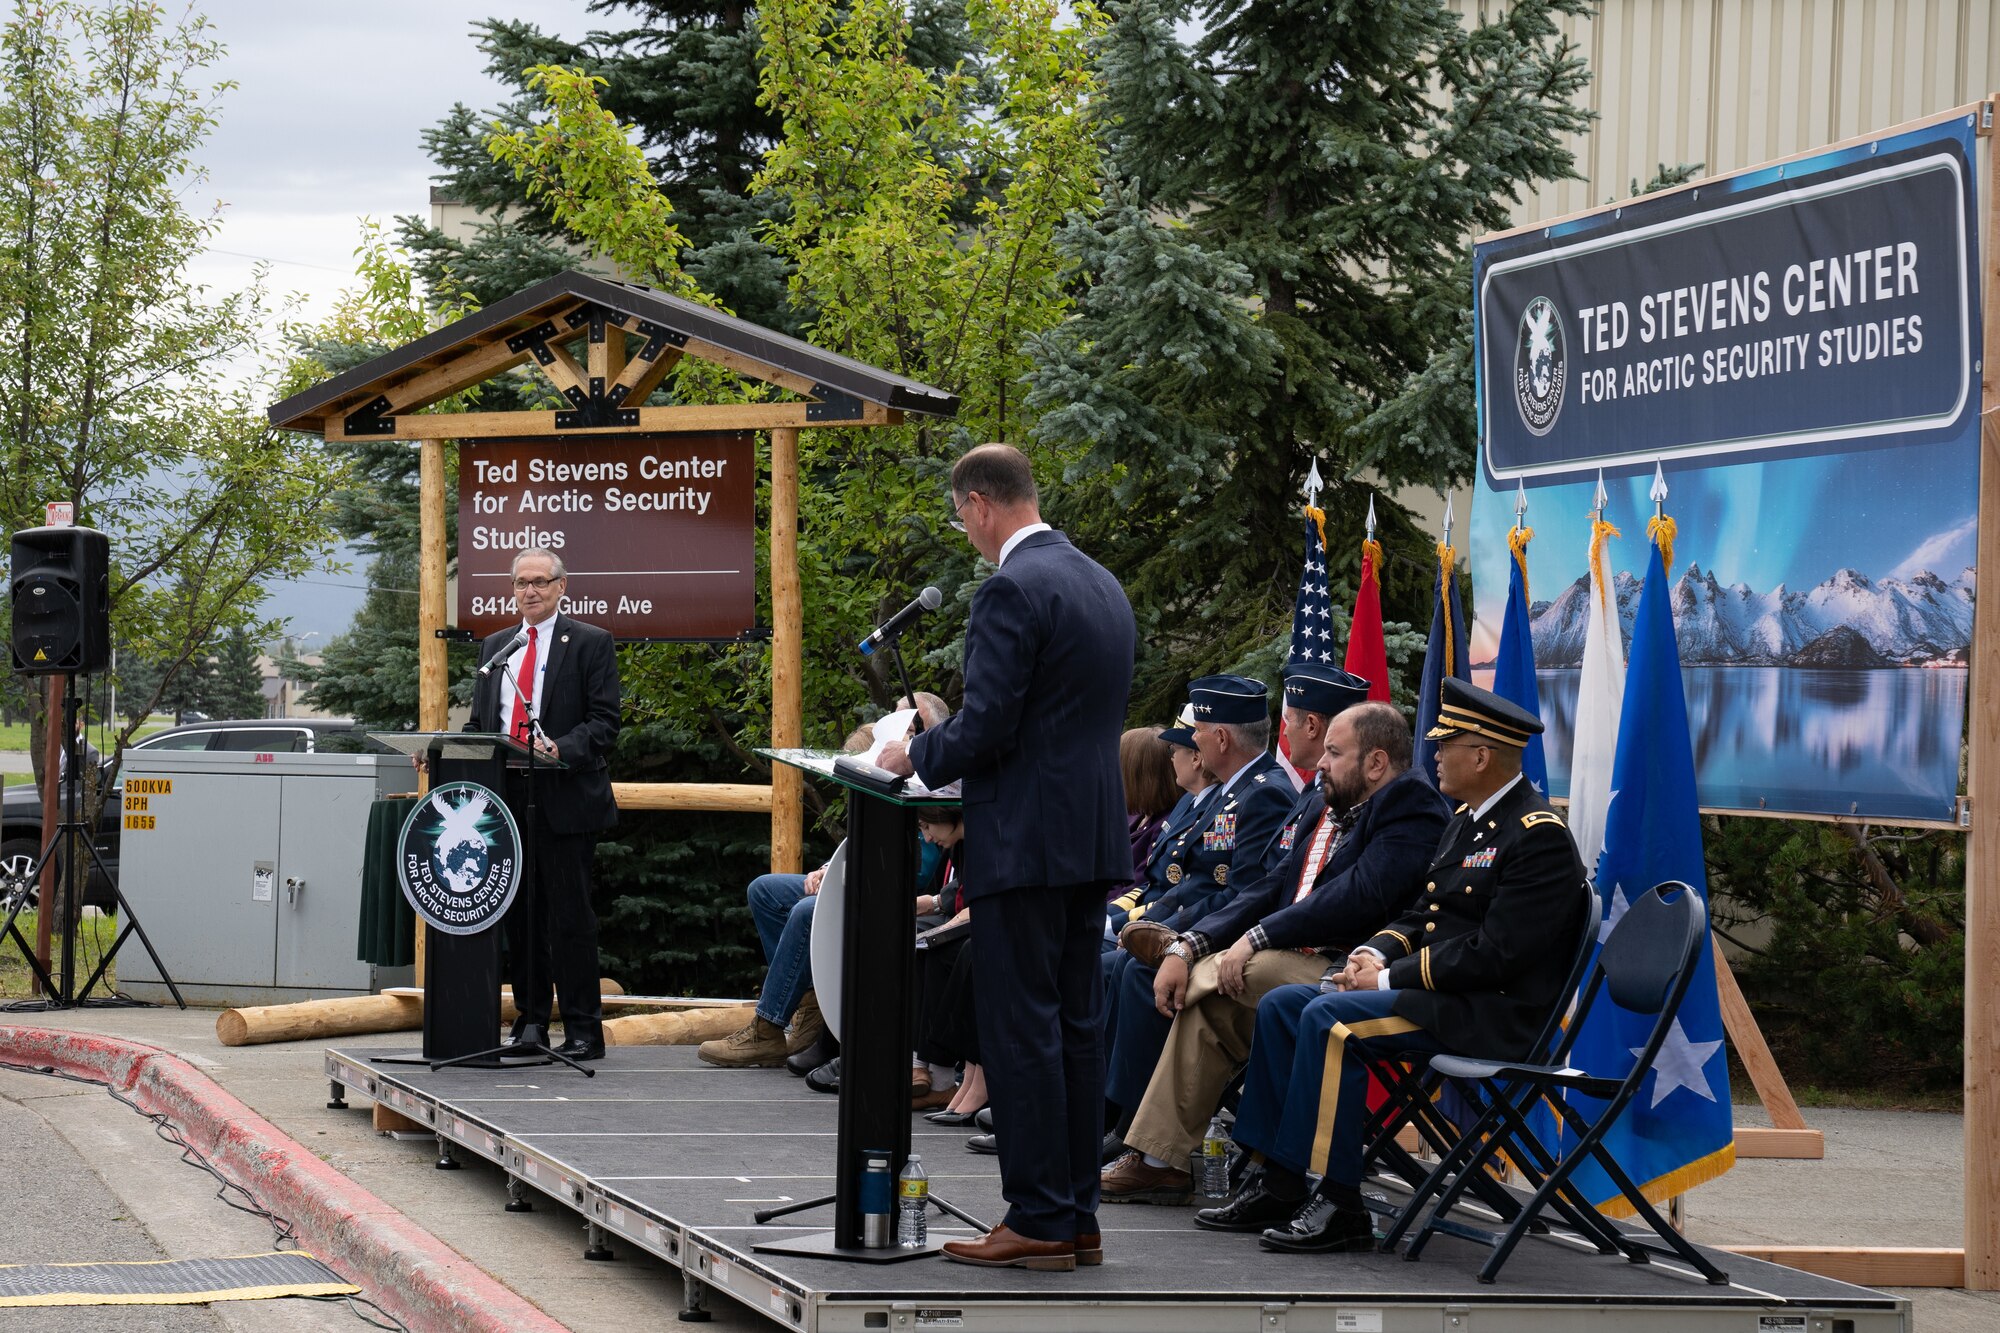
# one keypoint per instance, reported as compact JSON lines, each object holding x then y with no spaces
{"x":1474,"y":966}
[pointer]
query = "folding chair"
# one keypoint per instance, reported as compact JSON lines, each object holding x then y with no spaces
{"x":1645,"y":968}
{"x":1412,"y":1100}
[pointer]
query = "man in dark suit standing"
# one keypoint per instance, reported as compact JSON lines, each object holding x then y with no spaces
{"x":1048,"y":668}
{"x":567,"y":707}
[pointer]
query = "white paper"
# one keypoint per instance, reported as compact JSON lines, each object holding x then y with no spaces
{"x":260,"y":885}
{"x":892,"y":727}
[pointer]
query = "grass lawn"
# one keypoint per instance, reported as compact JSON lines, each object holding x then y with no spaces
{"x":98,"y":932}
{"x":14,"y":735}
{"x":10,"y":779}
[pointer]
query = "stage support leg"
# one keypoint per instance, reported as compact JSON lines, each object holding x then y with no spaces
{"x":598,"y":1249}
{"x":446,"y":1162}
{"x":691,"y":1294}
{"x":518,"y":1198}
{"x":337,"y":1099}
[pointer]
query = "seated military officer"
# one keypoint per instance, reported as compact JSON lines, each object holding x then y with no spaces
{"x":1356,"y":866}
{"x":1135,"y":1030}
{"x":1475,"y":965}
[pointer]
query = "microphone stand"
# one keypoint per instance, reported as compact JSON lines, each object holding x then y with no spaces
{"x":533,"y":1046}
{"x":903,"y":674}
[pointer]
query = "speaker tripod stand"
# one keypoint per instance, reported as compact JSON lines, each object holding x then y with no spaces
{"x":74,"y":850}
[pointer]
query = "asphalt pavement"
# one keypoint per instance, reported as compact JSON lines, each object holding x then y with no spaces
{"x":87,"y":1179}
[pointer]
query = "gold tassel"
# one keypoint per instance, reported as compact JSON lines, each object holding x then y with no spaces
{"x":1371,"y":557}
{"x":1599,"y":530}
{"x":1662,"y":530}
{"x":1318,"y":516}
{"x":1517,"y":542}
{"x":1446,"y":558}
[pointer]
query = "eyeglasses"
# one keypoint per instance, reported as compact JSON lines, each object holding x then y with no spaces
{"x":522,"y":585}
{"x":958,"y":523}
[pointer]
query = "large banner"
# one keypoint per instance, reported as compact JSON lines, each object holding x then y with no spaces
{"x":1797,"y":347}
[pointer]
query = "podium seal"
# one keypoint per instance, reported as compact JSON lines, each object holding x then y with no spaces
{"x":459,"y":858}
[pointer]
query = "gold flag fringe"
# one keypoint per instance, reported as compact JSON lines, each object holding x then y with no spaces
{"x":1517,"y":542}
{"x":1678,"y":1181}
{"x":1447,"y":557}
{"x":1662,"y":530}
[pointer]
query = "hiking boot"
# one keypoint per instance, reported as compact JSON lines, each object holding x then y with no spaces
{"x":759,"y":1046}
{"x":807,"y":1025}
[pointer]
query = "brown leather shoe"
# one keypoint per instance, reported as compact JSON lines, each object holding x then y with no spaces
{"x":1130,"y":1180}
{"x":1089,"y":1249}
{"x":1001,"y":1248}
{"x":931,"y":1099}
{"x":1146,"y":941}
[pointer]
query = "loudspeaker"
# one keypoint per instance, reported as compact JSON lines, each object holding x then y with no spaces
{"x":60,"y":591}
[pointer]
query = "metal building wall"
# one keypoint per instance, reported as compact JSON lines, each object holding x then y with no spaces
{"x":1731,"y":83}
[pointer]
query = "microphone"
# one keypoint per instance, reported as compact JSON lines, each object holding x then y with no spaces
{"x":930,"y":599}
{"x":520,"y":638}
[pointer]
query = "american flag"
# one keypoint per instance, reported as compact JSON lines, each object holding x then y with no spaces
{"x":1313,"y":613}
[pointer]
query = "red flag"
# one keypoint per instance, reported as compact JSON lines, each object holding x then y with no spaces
{"x":1367,"y":651}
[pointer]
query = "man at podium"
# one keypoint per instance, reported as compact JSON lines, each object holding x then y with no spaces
{"x":567,"y":707}
{"x":1048,"y":667}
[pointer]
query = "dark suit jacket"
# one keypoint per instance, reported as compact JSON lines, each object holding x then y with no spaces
{"x":1480,"y":957}
{"x":1048,"y":667}
{"x":579,"y":707}
{"x":1369,"y":879}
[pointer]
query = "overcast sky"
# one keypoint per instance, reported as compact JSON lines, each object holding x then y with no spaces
{"x":322,"y":131}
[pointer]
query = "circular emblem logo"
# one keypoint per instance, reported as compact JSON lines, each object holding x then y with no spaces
{"x":1541,"y":366}
{"x":1174,"y":873}
{"x":459,"y":858}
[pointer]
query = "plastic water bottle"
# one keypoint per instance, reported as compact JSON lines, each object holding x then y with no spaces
{"x":1214,"y":1175}
{"x":913,"y":1196}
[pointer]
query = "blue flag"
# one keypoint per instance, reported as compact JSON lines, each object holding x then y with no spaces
{"x":1443,"y":656}
{"x":1514,"y":669}
{"x":1677,"y":1132}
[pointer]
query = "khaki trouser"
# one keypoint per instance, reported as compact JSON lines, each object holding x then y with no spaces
{"x":1208,"y":1043}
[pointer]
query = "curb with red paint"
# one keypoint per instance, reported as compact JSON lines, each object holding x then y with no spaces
{"x":407,"y":1271}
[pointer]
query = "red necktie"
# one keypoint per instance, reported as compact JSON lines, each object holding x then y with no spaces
{"x":524,"y":689}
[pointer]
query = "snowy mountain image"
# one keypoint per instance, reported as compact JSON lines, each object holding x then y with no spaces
{"x":1849,"y":621}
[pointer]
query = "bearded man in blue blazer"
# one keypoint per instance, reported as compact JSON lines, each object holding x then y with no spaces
{"x":1048,"y":670}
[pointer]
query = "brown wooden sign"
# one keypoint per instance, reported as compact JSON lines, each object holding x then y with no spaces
{"x":658,"y":531}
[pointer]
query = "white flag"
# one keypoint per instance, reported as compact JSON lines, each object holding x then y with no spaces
{"x":1600,"y":696}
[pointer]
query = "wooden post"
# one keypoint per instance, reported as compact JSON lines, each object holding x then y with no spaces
{"x":1982,"y":853}
{"x":787,"y":654}
{"x":433,"y":697}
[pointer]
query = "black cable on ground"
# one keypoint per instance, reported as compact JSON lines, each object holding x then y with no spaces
{"x":282,"y":1232}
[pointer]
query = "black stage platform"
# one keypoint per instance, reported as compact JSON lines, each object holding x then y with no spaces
{"x":673,"y":1157}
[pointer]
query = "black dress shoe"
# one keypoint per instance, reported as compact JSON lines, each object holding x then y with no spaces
{"x":989,"y":1144}
{"x":951,"y":1119}
{"x":1111,"y":1149}
{"x":984,"y":1119}
{"x":1253,"y":1209}
{"x":1322,"y":1226}
{"x":823,"y":1048}
{"x":576,"y":1048}
{"x":826,"y":1078}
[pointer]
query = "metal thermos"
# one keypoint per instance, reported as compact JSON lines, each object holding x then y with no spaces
{"x":877,"y":1199}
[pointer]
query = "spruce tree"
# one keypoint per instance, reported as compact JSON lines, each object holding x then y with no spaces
{"x":1282,"y":273}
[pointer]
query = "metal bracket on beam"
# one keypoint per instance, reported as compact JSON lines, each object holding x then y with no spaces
{"x":535,"y":340}
{"x":597,"y":408}
{"x":371,"y":419}
{"x":832,"y":405}
{"x":658,"y":338}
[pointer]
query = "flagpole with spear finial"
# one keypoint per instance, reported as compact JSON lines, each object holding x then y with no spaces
{"x":1661,"y":529}
{"x":1518,"y":539}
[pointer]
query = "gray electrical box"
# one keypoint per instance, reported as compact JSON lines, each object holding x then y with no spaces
{"x":245,"y":871}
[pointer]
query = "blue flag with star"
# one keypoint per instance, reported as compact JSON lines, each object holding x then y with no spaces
{"x":1677,"y":1132}
{"x":1443,"y":656}
{"x":1514,"y":668}
{"x":1312,"y":612}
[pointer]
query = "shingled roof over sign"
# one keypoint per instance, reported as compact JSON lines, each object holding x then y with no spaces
{"x":377,"y":397}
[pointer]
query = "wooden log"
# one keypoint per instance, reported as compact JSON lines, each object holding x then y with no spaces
{"x":398,"y":1010}
{"x":1866,"y":1265}
{"x":685,"y":1028}
{"x":787,"y":656}
{"x":745,"y":796}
